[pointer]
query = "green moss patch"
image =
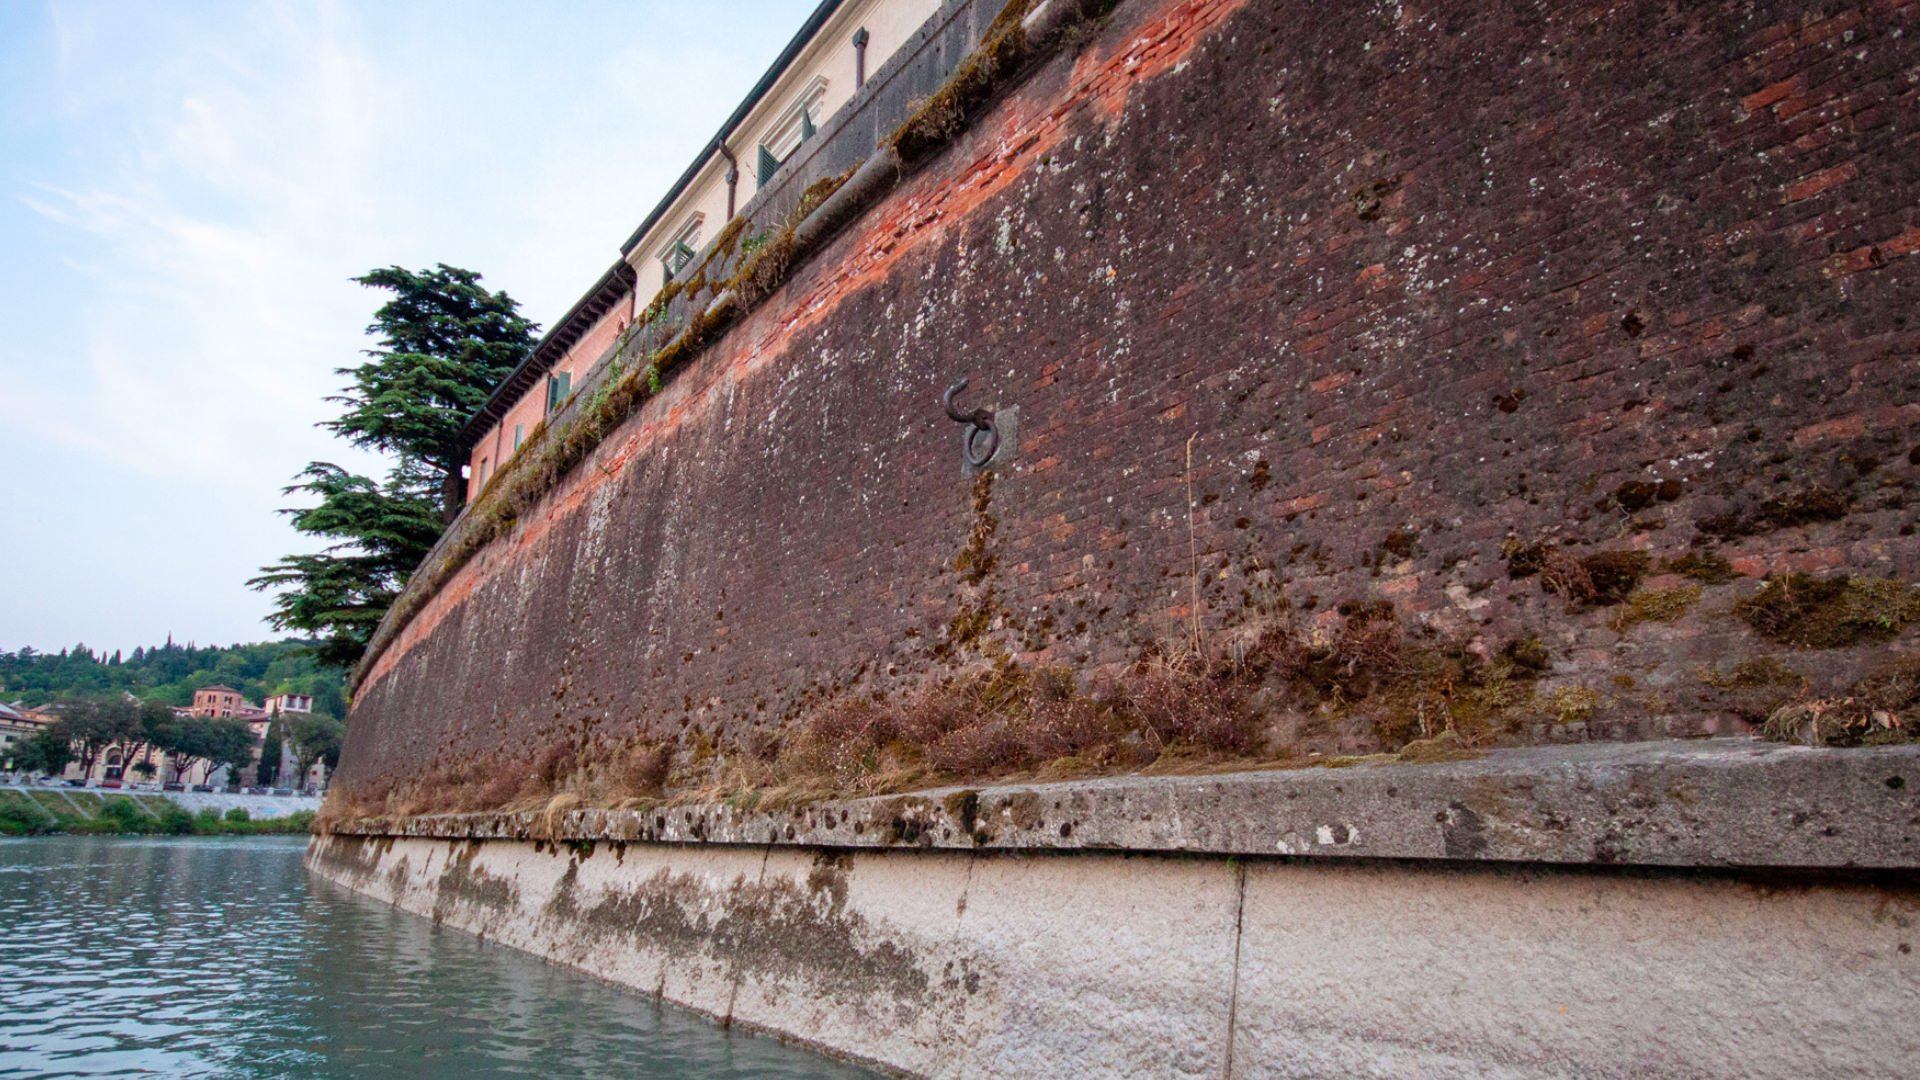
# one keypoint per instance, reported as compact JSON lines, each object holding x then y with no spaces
{"x":1830,"y":613}
{"x":1807,"y":506}
{"x":1755,"y":672}
{"x":945,"y":111}
{"x":1656,"y":605}
{"x":1706,"y":567}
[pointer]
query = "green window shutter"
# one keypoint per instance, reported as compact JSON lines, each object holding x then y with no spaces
{"x":552,"y":385}
{"x":518,"y":431}
{"x":557,"y":386}
{"x":806,"y":126}
{"x":768,"y":165}
{"x":678,"y":258}
{"x":565,"y":382}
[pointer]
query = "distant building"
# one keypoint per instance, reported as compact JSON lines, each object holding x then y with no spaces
{"x":288,"y":703}
{"x":16,"y":726}
{"x":282,"y":704}
{"x":125,"y":763}
{"x":217,"y":700}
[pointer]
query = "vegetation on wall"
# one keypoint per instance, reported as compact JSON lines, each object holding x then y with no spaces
{"x":445,"y":342}
{"x":1254,"y":698}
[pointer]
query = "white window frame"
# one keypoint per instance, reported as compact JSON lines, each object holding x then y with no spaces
{"x":782,"y":137}
{"x":689,"y":236}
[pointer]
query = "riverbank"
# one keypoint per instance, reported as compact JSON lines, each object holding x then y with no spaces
{"x":51,"y":811}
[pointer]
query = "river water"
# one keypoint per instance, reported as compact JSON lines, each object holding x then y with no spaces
{"x":211,"y":957}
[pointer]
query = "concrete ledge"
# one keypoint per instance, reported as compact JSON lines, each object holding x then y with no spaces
{"x":1728,"y":803}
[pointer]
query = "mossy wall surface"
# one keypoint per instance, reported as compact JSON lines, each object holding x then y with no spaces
{"x":1499,"y":315}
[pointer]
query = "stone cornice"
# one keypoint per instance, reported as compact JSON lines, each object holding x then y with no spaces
{"x":1719,"y":803}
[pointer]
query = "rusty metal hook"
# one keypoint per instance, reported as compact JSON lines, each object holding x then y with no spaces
{"x":979,"y":424}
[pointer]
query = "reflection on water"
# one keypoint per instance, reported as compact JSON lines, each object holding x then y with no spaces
{"x":224,"y":958}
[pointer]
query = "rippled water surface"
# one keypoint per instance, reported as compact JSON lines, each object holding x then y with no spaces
{"x":224,"y":958}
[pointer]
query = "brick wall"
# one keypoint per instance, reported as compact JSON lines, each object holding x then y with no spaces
{"x":1406,"y":297}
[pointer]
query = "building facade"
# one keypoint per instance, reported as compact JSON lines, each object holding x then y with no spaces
{"x":16,"y":726}
{"x":818,"y":73}
{"x":218,"y":701}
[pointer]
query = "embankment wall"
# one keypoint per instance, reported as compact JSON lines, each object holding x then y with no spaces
{"x":1653,"y":911}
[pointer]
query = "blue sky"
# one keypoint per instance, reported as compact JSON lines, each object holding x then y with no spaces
{"x":185,"y":190}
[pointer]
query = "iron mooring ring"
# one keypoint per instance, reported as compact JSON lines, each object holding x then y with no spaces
{"x":980,"y":429}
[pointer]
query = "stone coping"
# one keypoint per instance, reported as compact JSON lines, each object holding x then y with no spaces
{"x":1727,"y":803}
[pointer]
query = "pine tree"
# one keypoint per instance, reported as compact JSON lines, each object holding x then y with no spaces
{"x":445,"y":342}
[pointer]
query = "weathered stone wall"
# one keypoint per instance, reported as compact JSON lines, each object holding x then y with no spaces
{"x":1410,"y":298}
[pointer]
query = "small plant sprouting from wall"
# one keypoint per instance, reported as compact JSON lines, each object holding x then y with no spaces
{"x":1883,"y":707}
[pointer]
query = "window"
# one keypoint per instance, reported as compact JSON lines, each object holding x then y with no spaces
{"x":559,"y":385}
{"x":678,"y":256}
{"x":680,"y":250}
{"x":794,"y":127}
{"x":518,"y":431}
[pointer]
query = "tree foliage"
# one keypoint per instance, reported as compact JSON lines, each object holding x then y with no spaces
{"x":269,"y":768}
{"x":444,"y":342}
{"x":168,"y":674}
{"x":216,"y":741}
{"x":378,"y":533}
{"x":45,"y":751}
{"x":91,"y":725}
{"x":315,"y":738}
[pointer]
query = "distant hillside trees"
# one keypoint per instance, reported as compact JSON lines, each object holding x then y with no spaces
{"x":168,"y":674}
{"x":445,"y":342}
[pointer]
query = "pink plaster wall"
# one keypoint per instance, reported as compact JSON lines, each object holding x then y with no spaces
{"x":497,"y":444}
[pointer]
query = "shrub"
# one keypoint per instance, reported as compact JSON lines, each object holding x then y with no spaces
{"x":19,"y":819}
{"x":1656,"y":605}
{"x":238,"y":815}
{"x":125,"y":815}
{"x":175,"y":820}
{"x":641,"y":771}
